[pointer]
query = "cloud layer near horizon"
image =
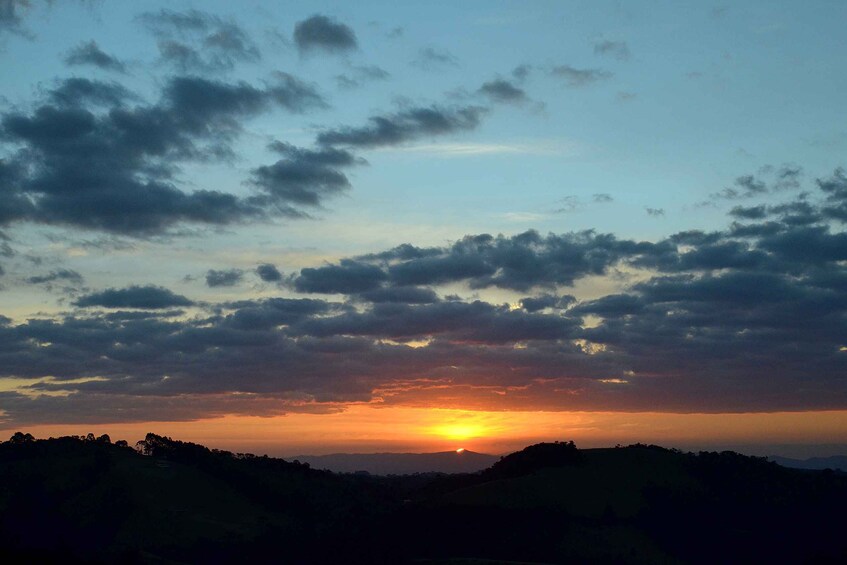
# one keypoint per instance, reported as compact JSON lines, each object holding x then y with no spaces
{"x":751,"y":318}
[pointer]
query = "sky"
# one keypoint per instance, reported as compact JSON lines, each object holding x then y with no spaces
{"x":308,"y":227}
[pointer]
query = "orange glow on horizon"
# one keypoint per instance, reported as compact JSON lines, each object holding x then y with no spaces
{"x":367,"y":428}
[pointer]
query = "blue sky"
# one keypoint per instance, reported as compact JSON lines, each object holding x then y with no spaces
{"x":641,"y":121}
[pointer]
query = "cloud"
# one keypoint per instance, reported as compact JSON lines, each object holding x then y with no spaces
{"x":786,"y":177}
{"x":90,"y":159}
{"x":655,"y":212}
{"x":90,"y":54}
{"x":10,"y":15}
{"x":361,"y":74}
{"x":602,"y":198}
{"x":345,"y":278}
{"x":57,"y":275}
{"x":748,"y":318}
{"x":575,"y":78}
{"x":500,"y":90}
{"x":431,"y":59}
{"x":616,"y":49}
{"x":320,"y":33}
{"x":269,"y":273}
{"x":401,"y":295}
{"x":305,"y":176}
{"x":229,"y":277}
{"x":198,"y":41}
{"x":145,"y":297}
{"x":406,"y":125}
{"x":522,"y":72}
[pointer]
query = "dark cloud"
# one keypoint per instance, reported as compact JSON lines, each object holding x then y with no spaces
{"x":198,"y":41}
{"x":92,"y":160}
{"x":749,"y":212}
{"x":228,"y":277}
{"x":348,"y":277}
{"x":305,"y":176}
{"x":519,"y":262}
{"x":575,"y":78}
{"x":406,"y":125}
{"x":68,"y":275}
{"x":602,"y":198}
{"x":616,"y":49}
{"x":76,"y":91}
{"x":401,"y":294}
{"x":320,"y":33}
{"x":145,"y":297}
{"x":655,"y":212}
{"x":543,"y":301}
{"x":430,"y":59}
{"x":500,"y":90}
{"x":751,"y":318}
{"x":269,"y":273}
{"x":90,"y":54}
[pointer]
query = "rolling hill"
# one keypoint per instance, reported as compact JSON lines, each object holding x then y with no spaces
{"x":88,"y":500}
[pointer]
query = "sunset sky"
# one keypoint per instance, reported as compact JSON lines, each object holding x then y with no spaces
{"x":310,"y":227}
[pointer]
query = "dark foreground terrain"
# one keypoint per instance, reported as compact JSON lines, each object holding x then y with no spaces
{"x":89,"y":500}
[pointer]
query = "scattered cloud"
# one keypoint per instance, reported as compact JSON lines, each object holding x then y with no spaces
{"x":89,"y":53}
{"x":616,"y":49}
{"x":500,"y":90}
{"x":576,"y":78}
{"x":269,"y":273}
{"x":228,"y":277}
{"x":321,"y":33}
{"x":144,"y":297}
{"x":406,"y":125}
{"x":432,"y":59}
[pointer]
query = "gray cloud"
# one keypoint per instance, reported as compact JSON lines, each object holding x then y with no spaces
{"x":500,"y":90}
{"x":430,"y":59}
{"x":320,"y":33}
{"x":57,"y":275}
{"x":305,"y":176}
{"x":198,"y":41}
{"x":406,"y":125}
{"x":269,"y":273}
{"x":359,"y":75}
{"x":145,"y":297}
{"x":92,"y":160}
{"x":228,"y":277}
{"x":576,"y":78}
{"x":616,"y":49}
{"x":89,"y":53}
{"x":10,"y":15}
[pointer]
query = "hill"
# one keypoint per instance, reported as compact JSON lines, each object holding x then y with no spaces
{"x":89,"y":500}
{"x":464,"y":461}
{"x":836,"y":462}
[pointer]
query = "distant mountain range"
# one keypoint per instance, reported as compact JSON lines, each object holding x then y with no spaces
{"x":836,"y":462}
{"x":463,"y":461}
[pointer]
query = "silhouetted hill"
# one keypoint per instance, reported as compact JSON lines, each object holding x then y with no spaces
{"x":836,"y":462}
{"x":401,"y":463}
{"x":88,"y":500}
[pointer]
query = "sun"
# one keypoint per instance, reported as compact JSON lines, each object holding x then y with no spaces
{"x":460,"y":450}
{"x":459,"y":431}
